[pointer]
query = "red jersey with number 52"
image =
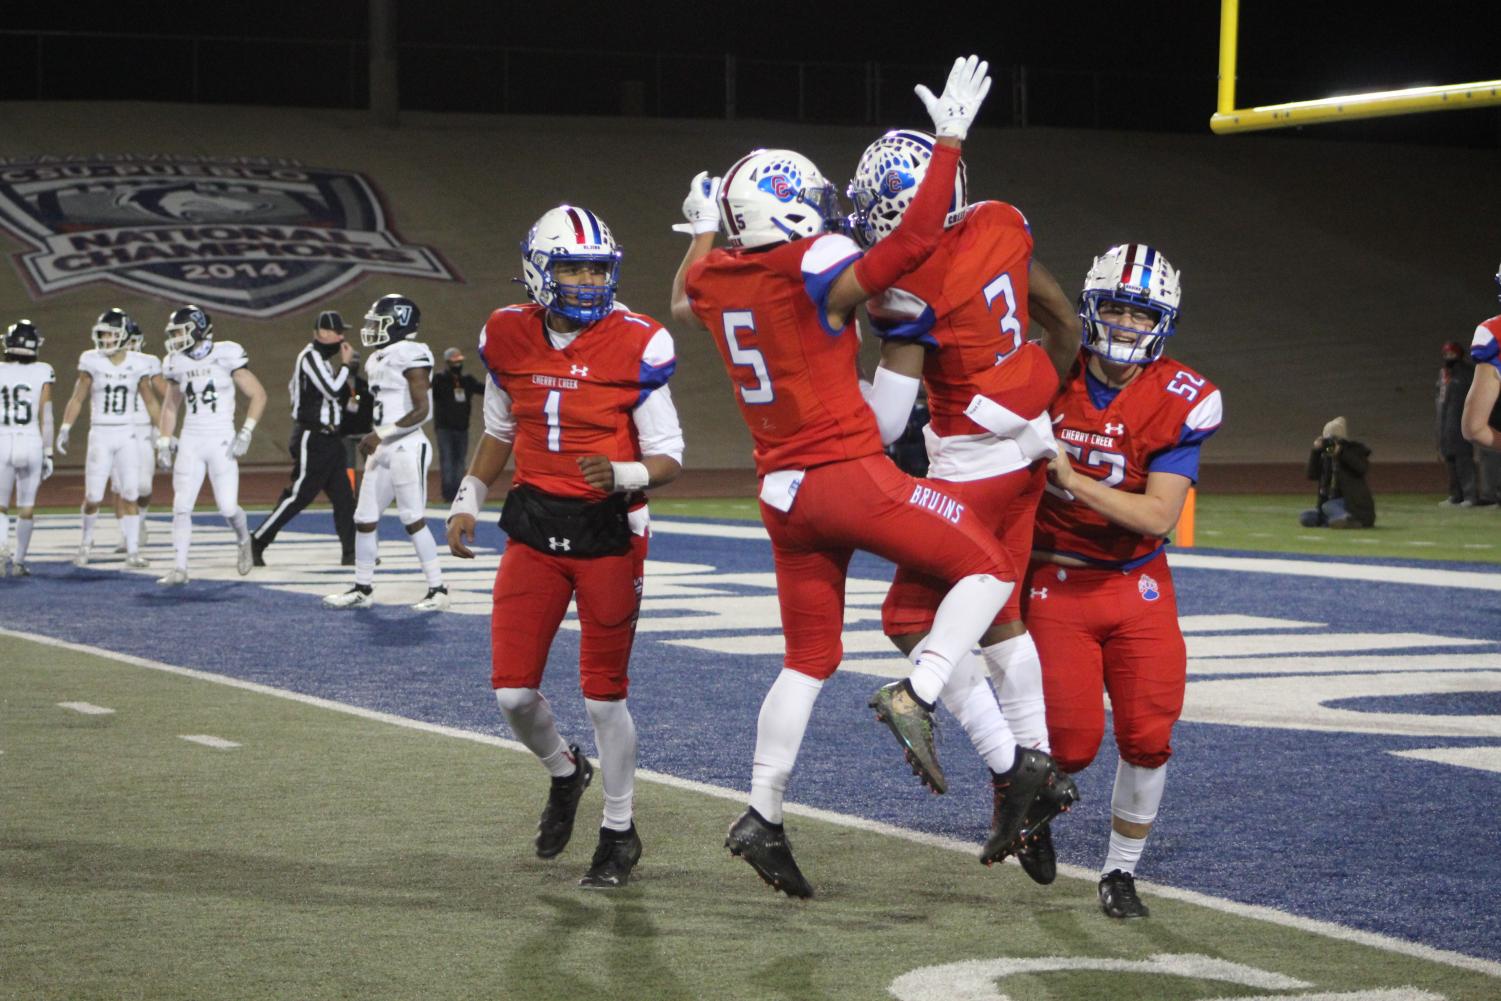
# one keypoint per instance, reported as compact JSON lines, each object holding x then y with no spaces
{"x":576,"y":400}
{"x":795,"y":377}
{"x":968,"y":305}
{"x":1155,"y":424}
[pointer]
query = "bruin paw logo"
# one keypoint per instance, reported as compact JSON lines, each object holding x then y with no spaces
{"x":779,"y":186}
{"x":250,"y":236}
{"x":1148,"y":588}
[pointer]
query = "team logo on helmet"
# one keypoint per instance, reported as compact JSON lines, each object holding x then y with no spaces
{"x":895,"y":182}
{"x":779,"y":186}
{"x":254,"y":236}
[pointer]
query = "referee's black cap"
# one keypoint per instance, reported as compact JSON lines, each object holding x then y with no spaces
{"x":330,"y":319}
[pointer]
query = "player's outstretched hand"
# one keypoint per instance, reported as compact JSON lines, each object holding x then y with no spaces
{"x":701,"y":207}
{"x":62,"y":439}
{"x":460,"y":534}
{"x":598,"y":472}
{"x":954,"y":111}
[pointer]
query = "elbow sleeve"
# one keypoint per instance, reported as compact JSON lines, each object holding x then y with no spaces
{"x":891,"y":398}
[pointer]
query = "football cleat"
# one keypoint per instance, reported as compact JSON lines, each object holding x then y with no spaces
{"x":81,"y":558}
{"x":1118,"y":897}
{"x":359,"y":596}
{"x":19,"y":570}
{"x":556,"y":825}
{"x":1032,"y":793}
{"x":137,"y":561}
{"x":614,"y":858}
{"x":912,"y":722}
{"x":764,"y":845}
{"x":174,"y":578}
{"x":258,"y":548}
{"x":244,"y":557}
{"x":436,"y":600}
{"x":120,"y":547}
{"x":1038,"y":857}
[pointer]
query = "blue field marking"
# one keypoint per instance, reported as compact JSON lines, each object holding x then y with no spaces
{"x":1328,"y":824}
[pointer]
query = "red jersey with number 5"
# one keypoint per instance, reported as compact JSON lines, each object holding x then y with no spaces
{"x":968,"y":305}
{"x":795,"y":378}
{"x":1155,"y":424}
{"x":576,"y":400}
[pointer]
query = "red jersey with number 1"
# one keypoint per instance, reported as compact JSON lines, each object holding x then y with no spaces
{"x":795,"y":377}
{"x":968,"y":305}
{"x":1155,"y":424}
{"x":576,"y":400}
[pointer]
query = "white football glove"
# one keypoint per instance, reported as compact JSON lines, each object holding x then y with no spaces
{"x":62,"y":439}
{"x":47,"y":465}
{"x":242,"y":443}
{"x":701,"y":207}
{"x":954,"y":111}
{"x":165,"y":446}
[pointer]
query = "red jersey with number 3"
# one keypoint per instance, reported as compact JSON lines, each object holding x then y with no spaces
{"x":968,"y":305}
{"x":795,"y":377}
{"x":576,"y":400}
{"x":1155,"y":424}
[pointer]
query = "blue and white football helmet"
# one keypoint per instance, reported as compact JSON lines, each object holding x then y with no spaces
{"x":774,"y":196}
{"x":390,"y":318}
{"x":23,"y":340}
{"x":573,"y":234}
{"x":111,"y":331}
{"x":188,"y":327}
{"x":886,"y":181}
{"x":1134,"y":275}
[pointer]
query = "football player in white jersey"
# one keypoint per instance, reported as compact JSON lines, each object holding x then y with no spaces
{"x":25,"y":438}
{"x":400,"y":377}
{"x":202,"y":375}
{"x":111,"y":377}
{"x":145,"y":434}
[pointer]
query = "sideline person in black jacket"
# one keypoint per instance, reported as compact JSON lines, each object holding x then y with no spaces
{"x":1339,"y":466}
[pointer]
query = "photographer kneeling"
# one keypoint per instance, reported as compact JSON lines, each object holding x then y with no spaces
{"x":1339,"y":466}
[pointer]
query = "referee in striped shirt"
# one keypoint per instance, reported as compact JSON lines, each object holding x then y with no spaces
{"x":322,"y":380}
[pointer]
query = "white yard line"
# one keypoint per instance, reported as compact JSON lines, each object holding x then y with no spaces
{"x":1090,"y":876}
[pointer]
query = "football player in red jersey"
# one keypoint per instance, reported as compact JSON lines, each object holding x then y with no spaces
{"x":957,"y":324}
{"x":1480,"y":402}
{"x":1098,"y":597}
{"x":779,"y":303}
{"x":578,"y":394}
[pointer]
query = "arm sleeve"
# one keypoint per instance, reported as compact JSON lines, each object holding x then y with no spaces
{"x":499,"y":422}
{"x":921,"y":226}
{"x":891,"y":398}
{"x":322,"y":375}
{"x":657,"y":426}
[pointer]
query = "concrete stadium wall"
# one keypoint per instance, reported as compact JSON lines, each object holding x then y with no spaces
{"x":1320,"y":278}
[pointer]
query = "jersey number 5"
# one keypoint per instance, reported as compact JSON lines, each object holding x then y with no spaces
{"x":735,"y":321}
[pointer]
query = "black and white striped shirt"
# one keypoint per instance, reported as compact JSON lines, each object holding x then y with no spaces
{"x":318,"y":390}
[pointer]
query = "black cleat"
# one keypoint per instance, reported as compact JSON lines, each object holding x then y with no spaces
{"x":764,"y":845}
{"x":617,"y":853}
{"x":257,"y":551}
{"x":556,"y":825}
{"x":1037,"y":856}
{"x":1118,"y":897}
{"x":1032,"y":793}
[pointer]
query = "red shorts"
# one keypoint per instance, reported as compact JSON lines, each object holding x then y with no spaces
{"x":865,"y":504}
{"x":532,"y":591}
{"x":1008,"y":504}
{"x":1103,"y":631}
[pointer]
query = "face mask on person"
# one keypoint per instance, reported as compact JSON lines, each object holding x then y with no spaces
{"x":327,"y":350}
{"x":455,"y":367}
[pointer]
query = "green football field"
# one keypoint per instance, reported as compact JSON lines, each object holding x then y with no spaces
{"x":336,"y":853}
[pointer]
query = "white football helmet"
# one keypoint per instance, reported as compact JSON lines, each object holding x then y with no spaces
{"x":1135,"y":275}
{"x":886,"y":181}
{"x":570,"y":233}
{"x":773,"y":196}
{"x":111,"y":331}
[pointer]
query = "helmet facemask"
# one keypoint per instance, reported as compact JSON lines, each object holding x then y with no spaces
{"x":188,"y":330}
{"x":23,"y":341}
{"x":581,"y":302}
{"x":1134,"y":277}
{"x":111,"y":332}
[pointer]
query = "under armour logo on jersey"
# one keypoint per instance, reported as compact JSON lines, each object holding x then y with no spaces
{"x":582,"y":371}
{"x":559,"y":545}
{"x":1039,"y":593}
{"x":1114,"y":428}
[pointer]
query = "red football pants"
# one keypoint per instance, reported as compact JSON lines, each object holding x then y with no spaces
{"x":1103,"y":631}
{"x":532,"y":591}
{"x":866,"y":504}
{"x":1008,"y":504}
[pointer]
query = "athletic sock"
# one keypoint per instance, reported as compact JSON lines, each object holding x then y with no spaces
{"x":182,"y":538}
{"x":615,"y":736}
{"x":427,"y":555}
{"x":237,"y":522}
{"x":530,"y":718}
{"x":1016,"y":670}
{"x":23,"y":537}
{"x":366,"y":545}
{"x":1124,"y":853}
{"x":779,"y":734}
{"x":969,"y":699}
{"x":88,"y":528}
{"x":4,"y":530}
{"x":964,"y":614}
{"x":130,"y":527}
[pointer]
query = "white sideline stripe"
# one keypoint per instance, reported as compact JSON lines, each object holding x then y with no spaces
{"x":1256,"y":911}
{"x":87,"y":708}
{"x":208,"y":741}
{"x":1484,"y":758}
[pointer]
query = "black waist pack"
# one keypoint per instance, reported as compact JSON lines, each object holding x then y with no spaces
{"x":566,"y":526}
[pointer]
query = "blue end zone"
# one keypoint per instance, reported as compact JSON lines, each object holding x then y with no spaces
{"x":1325,"y":824}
